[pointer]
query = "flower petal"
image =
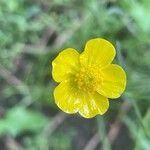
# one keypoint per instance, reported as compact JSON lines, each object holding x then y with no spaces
{"x":98,"y":51}
{"x":66,"y":63}
{"x":113,"y":81}
{"x":92,"y":105}
{"x":66,"y":97}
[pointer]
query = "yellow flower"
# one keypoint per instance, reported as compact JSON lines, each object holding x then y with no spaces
{"x":87,"y":80}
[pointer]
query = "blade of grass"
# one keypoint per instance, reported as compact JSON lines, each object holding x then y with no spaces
{"x":103,"y":133}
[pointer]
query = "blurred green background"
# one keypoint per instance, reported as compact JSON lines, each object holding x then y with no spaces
{"x":32,"y":33}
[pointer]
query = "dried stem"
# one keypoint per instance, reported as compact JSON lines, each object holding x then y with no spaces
{"x":93,"y":142}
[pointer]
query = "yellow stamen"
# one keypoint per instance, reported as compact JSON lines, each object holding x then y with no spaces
{"x":88,"y":78}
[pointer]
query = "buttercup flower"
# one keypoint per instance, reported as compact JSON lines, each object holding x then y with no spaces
{"x":87,"y":80}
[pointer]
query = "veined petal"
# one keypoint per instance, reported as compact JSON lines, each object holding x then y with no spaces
{"x":66,"y":97}
{"x":98,"y":51}
{"x":65,"y":64}
{"x":92,"y":105}
{"x":113,"y":81}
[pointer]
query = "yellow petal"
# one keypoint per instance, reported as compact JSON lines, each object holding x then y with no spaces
{"x":113,"y":81}
{"x":92,"y":105}
{"x":65,"y":64}
{"x":98,"y":51}
{"x":66,"y":97}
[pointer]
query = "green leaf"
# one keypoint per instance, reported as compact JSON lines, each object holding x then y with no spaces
{"x":18,"y":120}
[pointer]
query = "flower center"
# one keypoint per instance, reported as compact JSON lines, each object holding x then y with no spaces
{"x":88,"y":78}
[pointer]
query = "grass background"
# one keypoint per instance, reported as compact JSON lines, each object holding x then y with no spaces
{"x":32,"y":33}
